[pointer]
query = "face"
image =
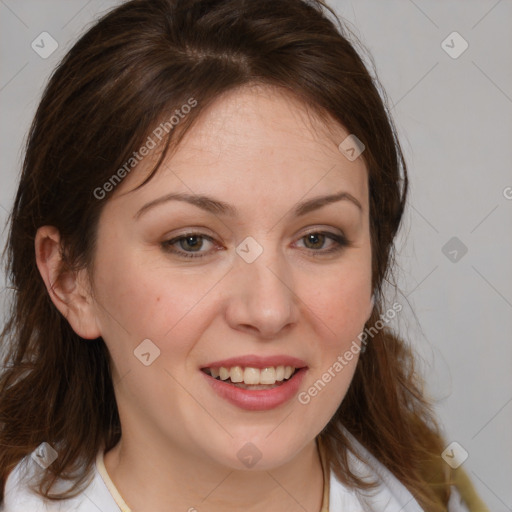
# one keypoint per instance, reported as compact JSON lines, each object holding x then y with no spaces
{"x":251,"y":279}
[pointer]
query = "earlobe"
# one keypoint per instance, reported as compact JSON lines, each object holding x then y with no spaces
{"x":67,"y":289}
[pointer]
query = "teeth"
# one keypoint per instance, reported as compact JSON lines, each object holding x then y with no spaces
{"x":268,"y":376}
{"x":288,"y":372}
{"x":253,"y":376}
{"x":237,"y":374}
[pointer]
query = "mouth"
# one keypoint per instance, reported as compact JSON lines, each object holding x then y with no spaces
{"x":254,"y":382}
{"x":251,"y":378}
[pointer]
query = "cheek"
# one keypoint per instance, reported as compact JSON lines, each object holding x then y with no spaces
{"x":341,"y":311}
{"x":341,"y":302}
{"x":139,"y":300}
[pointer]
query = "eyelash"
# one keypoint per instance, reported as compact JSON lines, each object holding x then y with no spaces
{"x":340,"y":243}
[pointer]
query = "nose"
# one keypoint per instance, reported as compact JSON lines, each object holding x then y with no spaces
{"x":262,"y":300}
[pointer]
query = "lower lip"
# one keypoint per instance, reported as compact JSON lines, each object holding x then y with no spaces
{"x":260,"y":399}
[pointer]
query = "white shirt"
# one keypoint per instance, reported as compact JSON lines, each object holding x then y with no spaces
{"x":101,"y":494}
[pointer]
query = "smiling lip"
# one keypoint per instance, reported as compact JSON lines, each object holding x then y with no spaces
{"x":258,"y":362}
{"x":260,"y":399}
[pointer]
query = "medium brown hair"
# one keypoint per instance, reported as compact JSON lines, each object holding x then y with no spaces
{"x":133,"y":68}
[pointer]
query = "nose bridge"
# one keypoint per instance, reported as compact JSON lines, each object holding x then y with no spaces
{"x":261,"y":298}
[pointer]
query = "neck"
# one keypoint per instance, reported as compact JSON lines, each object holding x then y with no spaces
{"x":150,"y":478}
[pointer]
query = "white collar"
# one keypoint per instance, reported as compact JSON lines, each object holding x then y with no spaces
{"x":389,"y":496}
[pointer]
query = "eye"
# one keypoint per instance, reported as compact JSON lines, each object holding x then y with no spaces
{"x":315,"y":242}
{"x":188,"y":245}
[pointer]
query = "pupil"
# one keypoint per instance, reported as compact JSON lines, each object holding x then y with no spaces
{"x":315,"y":239}
{"x":193,"y":242}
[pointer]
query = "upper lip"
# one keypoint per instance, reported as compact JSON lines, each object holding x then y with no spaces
{"x":260,"y":362}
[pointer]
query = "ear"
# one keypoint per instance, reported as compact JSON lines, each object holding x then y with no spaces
{"x":68,"y":290}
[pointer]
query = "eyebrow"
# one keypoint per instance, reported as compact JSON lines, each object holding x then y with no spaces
{"x":217,"y":207}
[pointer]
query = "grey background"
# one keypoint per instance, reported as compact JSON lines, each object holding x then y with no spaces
{"x":454,"y":116}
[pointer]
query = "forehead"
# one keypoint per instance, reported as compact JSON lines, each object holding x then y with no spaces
{"x":257,"y":139}
{"x":261,"y":117}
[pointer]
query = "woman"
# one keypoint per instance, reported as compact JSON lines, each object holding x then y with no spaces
{"x":199,"y":245}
